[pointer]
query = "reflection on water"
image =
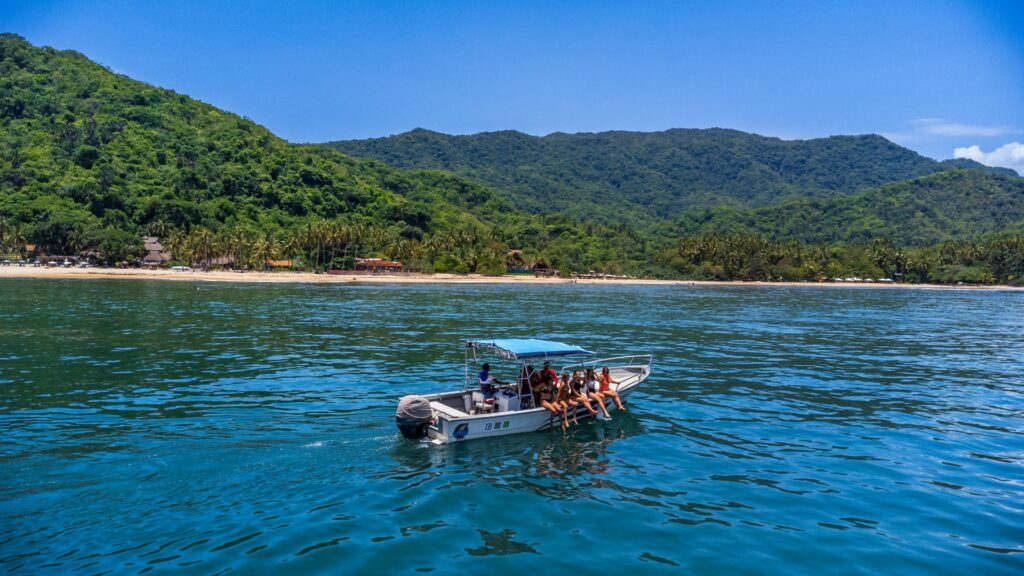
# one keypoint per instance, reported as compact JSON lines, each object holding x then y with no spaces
{"x":499,"y":544}
{"x":150,"y":427}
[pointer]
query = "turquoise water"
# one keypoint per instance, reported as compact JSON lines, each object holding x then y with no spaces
{"x":150,"y":427}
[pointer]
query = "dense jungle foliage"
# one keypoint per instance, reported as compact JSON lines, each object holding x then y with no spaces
{"x":90,"y":161}
{"x":641,"y":177}
{"x":956,"y":204}
{"x":753,"y":257}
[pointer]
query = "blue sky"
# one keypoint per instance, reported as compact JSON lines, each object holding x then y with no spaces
{"x":935,"y":75}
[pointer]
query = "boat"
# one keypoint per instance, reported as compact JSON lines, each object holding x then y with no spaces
{"x":465,"y":414}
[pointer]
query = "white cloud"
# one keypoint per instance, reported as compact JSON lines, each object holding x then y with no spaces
{"x":899,"y":137}
{"x":940,"y":127}
{"x":1009,"y":155}
{"x":923,"y":130}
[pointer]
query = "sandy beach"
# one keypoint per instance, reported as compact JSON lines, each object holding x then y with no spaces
{"x":411,"y":278}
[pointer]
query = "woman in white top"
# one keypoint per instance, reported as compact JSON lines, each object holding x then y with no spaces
{"x":579,"y":392}
{"x":593,"y":392}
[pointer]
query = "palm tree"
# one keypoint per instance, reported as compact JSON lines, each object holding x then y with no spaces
{"x":353,"y":236}
{"x":15,"y":238}
{"x":292,"y":244}
{"x":175,"y":243}
{"x":264,"y":248}
{"x":203,"y":243}
{"x":920,"y":265}
{"x":336,"y":235}
{"x":238,"y":241}
{"x":78,"y":241}
{"x":321,"y":232}
{"x":159,"y":228}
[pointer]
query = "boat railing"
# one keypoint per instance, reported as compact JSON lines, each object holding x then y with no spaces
{"x":631,"y":360}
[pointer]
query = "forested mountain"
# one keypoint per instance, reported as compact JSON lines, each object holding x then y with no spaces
{"x":646,"y":176}
{"x":952,"y":205}
{"x":93,"y":147}
{"x":90,"y":160}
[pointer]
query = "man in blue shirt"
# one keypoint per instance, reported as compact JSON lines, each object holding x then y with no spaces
{"x":488,"y":384}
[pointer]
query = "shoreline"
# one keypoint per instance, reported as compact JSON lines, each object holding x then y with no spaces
{"x":415,"y":278}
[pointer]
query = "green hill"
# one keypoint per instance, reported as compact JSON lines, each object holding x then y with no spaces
{"x":649,"y":176}
{"x":90,"y":160}
{"x":951,"y":205}
{"x":77,"y":138}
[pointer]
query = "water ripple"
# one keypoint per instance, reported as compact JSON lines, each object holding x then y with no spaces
{"x":152,"y":427}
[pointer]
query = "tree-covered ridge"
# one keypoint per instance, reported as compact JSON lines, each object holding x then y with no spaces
{"x":753,"y":257}
{"x":953,"y":205}
{"x":646,"y":176}
{"x":82,"y":147}
{"x":90,"y":160}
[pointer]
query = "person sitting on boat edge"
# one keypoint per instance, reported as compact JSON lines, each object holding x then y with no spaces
{"x":592,"y":391}
{"x":488,"y":384}
{"x":548,"y":394}
{"x":536,"y":387}
{"x":606,"y":387}
{"x":566,"y":398}
{"x":579,"y":392}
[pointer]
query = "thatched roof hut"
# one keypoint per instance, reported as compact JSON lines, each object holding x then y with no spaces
{"x":155,"y":252}
{"x":378,"y":265}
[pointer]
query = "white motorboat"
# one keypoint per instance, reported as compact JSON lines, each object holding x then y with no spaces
{"x":466,"y":414}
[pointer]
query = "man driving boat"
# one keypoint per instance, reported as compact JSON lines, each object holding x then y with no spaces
{"x":488,"y":383}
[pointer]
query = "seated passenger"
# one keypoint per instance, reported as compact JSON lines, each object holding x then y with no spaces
{"x":579,"y":392}
{"x":594,"y":392}
{"x":547,"y":394}
{"x":566,"y":397}
{"x":535,"y":385}
{"x":547,"y":372}
{"x":606,"y":387}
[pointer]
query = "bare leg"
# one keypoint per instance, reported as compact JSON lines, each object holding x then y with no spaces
{"x":600,"y":402}
{"x":572,"y":406}
{"x":552,"y":412}
{"x":615,"y":396}
{"x":586,"y":404}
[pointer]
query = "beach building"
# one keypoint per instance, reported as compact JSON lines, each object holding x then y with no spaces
{"x":541,"y":268}
{"x":225,"y":261}
{"x":378,"y":265}
{"x":156,"y":255}
{"x":515,"y":262}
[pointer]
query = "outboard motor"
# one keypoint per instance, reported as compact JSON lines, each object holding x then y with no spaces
{"x":413,"y":416}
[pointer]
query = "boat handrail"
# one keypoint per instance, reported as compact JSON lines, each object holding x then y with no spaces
{"x":606,"y":361}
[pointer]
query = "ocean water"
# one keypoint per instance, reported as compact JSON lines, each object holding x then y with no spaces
{"x":179,"y":428}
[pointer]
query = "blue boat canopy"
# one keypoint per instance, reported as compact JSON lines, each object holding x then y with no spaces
{"x":523,"y":348}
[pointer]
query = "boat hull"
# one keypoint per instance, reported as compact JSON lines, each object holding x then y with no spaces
{"x":453,"y":426}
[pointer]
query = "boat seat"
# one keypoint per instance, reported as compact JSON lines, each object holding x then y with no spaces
{"x":448,"y":410}
{"x":482,"y":405}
